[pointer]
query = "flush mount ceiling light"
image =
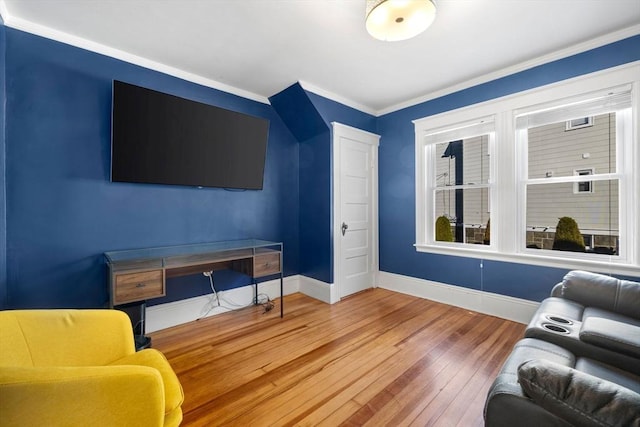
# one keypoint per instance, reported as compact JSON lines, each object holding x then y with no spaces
{"x":394,"y":20}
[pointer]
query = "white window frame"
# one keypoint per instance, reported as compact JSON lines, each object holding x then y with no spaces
{"x":460,"y":131}
{"x":509,"y":169}
{"x":571,"y":126}
{"x":576,"y":185}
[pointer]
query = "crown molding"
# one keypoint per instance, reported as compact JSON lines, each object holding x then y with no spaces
{"x":60,"y":36}
{"x":40,"y":30}
{"x":559,"y":54}
{"x":335,"y":97}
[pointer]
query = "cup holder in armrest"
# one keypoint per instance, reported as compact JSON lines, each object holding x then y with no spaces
{"x":555,"y":328}
{"x":558,"y":319}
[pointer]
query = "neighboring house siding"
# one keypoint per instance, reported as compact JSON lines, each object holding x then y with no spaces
{"x":595,"y":212}
{"x":476,"y":171}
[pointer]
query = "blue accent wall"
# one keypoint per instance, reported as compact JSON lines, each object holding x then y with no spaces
{"x":62,"y":210}
{"x":397,"y":181}
{"x":311,"y":132}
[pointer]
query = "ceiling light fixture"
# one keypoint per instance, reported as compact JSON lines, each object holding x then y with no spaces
{"x":394,"y":20}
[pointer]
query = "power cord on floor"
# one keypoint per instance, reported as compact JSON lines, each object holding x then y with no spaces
{"x":261,"y":299}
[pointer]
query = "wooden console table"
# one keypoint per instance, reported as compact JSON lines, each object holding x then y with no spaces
{"x":140,"y":274}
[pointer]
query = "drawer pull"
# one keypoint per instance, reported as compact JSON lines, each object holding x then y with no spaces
{"x":141,"y":285}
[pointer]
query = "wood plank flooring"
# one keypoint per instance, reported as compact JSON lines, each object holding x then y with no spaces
{"x":374,"y":359}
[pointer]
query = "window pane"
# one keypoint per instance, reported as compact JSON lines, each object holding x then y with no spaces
{"x":596,"y":215}
{"x":555,"y":151}
{"x":463,"y":162}
{"x":467,"y":212}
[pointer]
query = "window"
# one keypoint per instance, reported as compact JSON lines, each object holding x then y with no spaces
{"x":459,"y":184}
{"x":582,"y":122}
{"x":507,"y":178}
{"x":560,"y":209}
{"x":583,"y":186}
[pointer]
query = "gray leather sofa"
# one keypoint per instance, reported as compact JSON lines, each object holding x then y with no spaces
{"x":579,"y":363}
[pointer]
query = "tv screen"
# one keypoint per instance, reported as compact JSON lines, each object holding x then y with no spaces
{"x":158,"y":138}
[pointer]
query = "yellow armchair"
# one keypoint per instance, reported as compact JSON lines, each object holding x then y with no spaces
{"x":80,"y":367}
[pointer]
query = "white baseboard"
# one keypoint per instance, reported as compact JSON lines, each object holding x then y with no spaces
{"x":505,"y":307}
{"x":175,"y":313}
{"x":325,"y":292}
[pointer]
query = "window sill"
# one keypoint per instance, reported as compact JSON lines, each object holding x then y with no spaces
{"x":595,"y":263}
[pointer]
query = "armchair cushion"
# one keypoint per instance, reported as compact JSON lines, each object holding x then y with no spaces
{"x":64,"y":337}
{"x":577,"y":397}
{"x":96,"y":396}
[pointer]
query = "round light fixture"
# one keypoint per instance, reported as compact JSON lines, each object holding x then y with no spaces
{"x":394,"y":20}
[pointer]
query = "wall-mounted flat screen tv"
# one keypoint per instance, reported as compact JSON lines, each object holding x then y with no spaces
{"x":158,"y":138}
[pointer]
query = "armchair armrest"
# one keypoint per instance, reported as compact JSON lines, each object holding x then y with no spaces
{"x":97,"y":396}
{"x":598,"y":290}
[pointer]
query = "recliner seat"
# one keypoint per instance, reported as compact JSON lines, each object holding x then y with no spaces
{"x":580,"y":361}
{"x":593,"y":316}
{"x":580,"y":392}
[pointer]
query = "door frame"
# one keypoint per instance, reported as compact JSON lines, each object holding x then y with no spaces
{"x":340,"y":130}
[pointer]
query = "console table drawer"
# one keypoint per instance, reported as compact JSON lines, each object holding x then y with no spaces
{"x":138,"y":286}
{"x":264,"y":265}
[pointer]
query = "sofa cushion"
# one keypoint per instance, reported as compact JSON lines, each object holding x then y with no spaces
{"x":578,"y":397}
{"x":598,"y":290}
{"x":609,"y":373}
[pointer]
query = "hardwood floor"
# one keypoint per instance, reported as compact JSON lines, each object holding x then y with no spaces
{"x":376,"y":358}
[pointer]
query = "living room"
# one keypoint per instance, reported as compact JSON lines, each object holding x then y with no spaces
{"x":61,"y":212}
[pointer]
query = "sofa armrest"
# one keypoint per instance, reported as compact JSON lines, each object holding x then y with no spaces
{"x":577,"y":397}
{"x":598,"y":290}
{"x":616,"y":336}
{"x":96,"y":396}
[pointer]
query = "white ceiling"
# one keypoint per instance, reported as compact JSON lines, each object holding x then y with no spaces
{"x":256,"y":48}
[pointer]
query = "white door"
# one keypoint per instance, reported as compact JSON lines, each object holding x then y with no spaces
{"x":355,"y":209}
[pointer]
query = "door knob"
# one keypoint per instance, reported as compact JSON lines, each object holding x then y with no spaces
{"x":344,"y":228}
